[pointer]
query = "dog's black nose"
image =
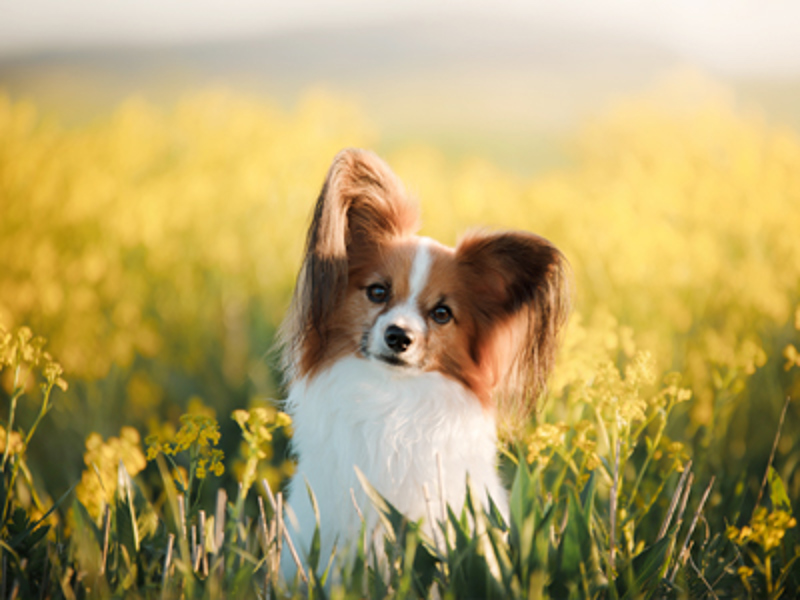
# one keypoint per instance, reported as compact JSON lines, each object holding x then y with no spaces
{"x":397,"y":338}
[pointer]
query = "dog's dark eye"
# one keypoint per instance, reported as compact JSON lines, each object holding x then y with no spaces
{"x":378,"y":293}
{"x":442,"y":314}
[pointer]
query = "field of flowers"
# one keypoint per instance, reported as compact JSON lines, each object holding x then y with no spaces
{"x":155,"y":250}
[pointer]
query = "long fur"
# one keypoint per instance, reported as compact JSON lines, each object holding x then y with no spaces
{"x":361,"y":202}
{"x":520,"y":278}
{"x":359,"y":399}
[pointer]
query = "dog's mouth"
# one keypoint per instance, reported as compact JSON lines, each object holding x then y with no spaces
{"x":389,"y":359}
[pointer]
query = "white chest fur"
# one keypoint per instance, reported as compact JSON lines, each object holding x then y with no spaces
{"x":391,"y":425}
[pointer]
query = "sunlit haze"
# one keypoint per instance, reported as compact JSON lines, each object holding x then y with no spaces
{"x":737,"y":37}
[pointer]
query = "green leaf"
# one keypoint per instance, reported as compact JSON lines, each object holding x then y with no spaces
{"x":588,"y":496}
{"x":85,"y":520}
{"x":424,"y":570}
{"x":394,"y":522}
{"x":777,"y":492}
{"x":29,"y":527}
{"x":524,"y":510}
{"x":315,"y":550}
{"x":638,"y":576}
{"x":500,"y":548}
{"x":357,"y":571}
{"x":495,"y":516}
{"x":377,"y":585}
{"x":470,"y":575}
{"x":520,"y":498}
{"x":574,"y":563}
{"x":127,"y":527}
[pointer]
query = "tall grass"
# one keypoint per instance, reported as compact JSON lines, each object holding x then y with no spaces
{"x":156,"y":250}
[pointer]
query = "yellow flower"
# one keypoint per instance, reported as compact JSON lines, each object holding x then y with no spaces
{"x":98,"y":482}
{"x":22,"y":348}
{"x":257,"y":425}
{"x":195,"y":429}
{"x":15,"y":442}
{"x":792,"y":357}
{"x":199,"y":434}
{"x":766,"y":529}
{"x":546,"y":436}
{"x":52,"y":372}
{"x":154,"y":446}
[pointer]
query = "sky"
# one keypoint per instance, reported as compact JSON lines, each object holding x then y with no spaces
{"x":739,"y":37}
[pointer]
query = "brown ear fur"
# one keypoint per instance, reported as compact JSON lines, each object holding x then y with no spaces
{"x":519,"y":286}
{"x":362,"y":203}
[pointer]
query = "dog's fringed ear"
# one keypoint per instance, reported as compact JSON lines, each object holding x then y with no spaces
{"x":362,"y":203}
{"x":520,"y":284}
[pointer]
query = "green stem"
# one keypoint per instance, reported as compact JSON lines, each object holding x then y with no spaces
{"x":568,"y":465}
{"x":603,"y":431}
{"x":648,"y":459}
{"x":15,"y":472}
{"x":569,"y":460}
{"x":26,"y":473}
{"x":10,"y":428}
{"x":649,"y":505}
{"x":768,"y":575}
{"x":507,"y":453}
{"x":193,"y":454}
{"x":42,"y":412}
{"x":18,"y":390}
{"x":645,"y":424}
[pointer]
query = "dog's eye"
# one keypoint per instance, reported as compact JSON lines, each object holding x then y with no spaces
{"x":378,"y":293}
{"x":442,"y":314}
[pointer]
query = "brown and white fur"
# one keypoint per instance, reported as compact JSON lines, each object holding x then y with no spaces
{"x":398,"y":349}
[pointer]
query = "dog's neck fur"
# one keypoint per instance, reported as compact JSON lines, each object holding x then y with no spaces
{"x":391,"y":425}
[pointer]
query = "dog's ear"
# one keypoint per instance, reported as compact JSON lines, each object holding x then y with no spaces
{"x":519,"y":286}
{"x":362,"y":203}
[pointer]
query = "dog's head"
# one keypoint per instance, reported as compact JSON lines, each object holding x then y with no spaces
{"x":486,"y":313}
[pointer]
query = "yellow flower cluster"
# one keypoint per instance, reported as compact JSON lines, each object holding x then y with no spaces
{"x":544,"y":437}
{"x":675,"y":454}
{"x":139,"y":233}
{"x":257,"y":426}
{"x":792,"y":357}
{"x":198,"y":434}
{"x":604,"y":394}
{"x":767,"y":529}
{"x":585,"y":441}
{"x":790,"y":352}
{"x":546,"y":440}
{"x":619,"y":400}
{"x":14,"y":442}
{"x":22,"y":348}
{"x":103,"y":459}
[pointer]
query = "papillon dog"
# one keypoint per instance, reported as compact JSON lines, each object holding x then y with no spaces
{"x":401,"y":354}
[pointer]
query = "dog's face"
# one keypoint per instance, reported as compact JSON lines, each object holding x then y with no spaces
{"x":484,"y":313}
{"x":408,"y":307}
{"x":404,"y":315}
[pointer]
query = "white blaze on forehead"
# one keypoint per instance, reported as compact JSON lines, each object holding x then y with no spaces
{"x":420,"y":269}
{"x":407,"y":314}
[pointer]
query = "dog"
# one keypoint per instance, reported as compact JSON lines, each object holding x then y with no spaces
{"x":401,"y":354}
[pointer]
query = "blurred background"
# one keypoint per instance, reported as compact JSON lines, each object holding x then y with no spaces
{"x":158,"y":164}
{"x":507,"y":80}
